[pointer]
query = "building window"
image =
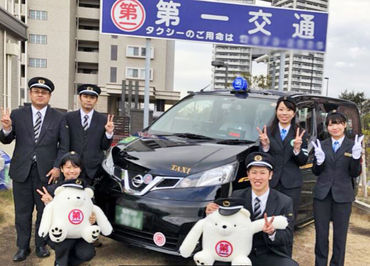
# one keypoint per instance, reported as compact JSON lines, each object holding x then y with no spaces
{"x":38,"y":15}
{"x":113,"y":52}
{"x":37,"y":62}
{"x":113,"y":74}
{"x":137,"y":73}
{"x":38,"y":39}
{"x":138,"y":51}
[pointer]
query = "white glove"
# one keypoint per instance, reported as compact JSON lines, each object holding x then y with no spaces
{"x":319,"y":153}
{"x":357,"y":147}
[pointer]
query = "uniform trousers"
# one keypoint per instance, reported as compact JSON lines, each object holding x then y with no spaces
{"x":25,"y":198}
{"x":324,"y":211}
{"x":72,"y":252}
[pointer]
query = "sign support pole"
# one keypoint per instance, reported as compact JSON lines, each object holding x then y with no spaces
{"x":147,"y":78}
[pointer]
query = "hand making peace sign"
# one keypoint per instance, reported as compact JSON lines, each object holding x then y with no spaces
{"x":264,"y":139}
{"x":298,"y":140}
{"x":45,"y":196}
{"x":109,"y":126}
{"x":268,"y":227}
{"x":6,"y":122}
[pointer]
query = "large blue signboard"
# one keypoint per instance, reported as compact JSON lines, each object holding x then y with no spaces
{"x":216,"y":22}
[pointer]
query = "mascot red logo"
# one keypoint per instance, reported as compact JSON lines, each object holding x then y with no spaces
{"x":128,"y":15}
{"x":159,"y":239}
{"x":224,"y":248}
{"x":75,"y":216}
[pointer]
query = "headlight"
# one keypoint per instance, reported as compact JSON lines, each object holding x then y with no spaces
{"x":108,"y":164}
{"x":216,"y":176}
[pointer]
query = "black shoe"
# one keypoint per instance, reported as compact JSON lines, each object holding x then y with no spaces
{"x":21,"y":254}
{"x":42,"y":252}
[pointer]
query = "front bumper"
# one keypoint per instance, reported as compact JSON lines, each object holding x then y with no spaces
{"x":161,"y":213}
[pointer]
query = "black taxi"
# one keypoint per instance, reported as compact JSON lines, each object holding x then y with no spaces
{"x":156,"y":185}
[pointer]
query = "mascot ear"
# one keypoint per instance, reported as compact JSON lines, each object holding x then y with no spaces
{"x":89,"y":192}
{"x":245,"y":212}
{"x":58,"y":190}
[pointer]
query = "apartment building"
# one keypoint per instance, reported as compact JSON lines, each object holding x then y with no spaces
{"x":303,"y":71}
{"x":12,"y":33}
{"x":65,"y":45}
{"x":237,"y":60}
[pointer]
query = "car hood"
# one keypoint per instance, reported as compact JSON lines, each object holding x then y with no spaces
{"x":175,"y":156}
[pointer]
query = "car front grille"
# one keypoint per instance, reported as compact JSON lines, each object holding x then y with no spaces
{"x":137,"y":183}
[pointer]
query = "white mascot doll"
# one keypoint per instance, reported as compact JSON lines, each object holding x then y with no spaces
{"x":67,"y":215}
{"x":227,"y":236}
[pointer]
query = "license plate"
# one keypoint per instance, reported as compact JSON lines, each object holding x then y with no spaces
{"x":129,"y":217}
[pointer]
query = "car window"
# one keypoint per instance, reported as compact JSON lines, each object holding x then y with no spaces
{"x":216,"y":116}
{"x":305,"y":118}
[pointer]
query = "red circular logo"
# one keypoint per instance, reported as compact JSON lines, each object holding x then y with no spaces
{"x":75,"y":216}
{"x":224,"y":248}
{"x":159,"y":239}
{"x":128,"y":15}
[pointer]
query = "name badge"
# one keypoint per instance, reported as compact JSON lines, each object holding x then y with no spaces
{"x":348,"y":154}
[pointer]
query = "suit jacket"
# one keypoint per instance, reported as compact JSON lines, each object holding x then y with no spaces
{"x":277,"y":204}
{"x":336,"y":173}
{"x":286,"y":162}
{"x":90,"y":144}
{"x":52,"y":144}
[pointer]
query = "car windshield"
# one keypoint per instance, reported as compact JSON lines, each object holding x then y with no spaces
{"x":216,"y":116}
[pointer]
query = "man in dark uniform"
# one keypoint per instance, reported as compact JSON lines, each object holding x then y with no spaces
{"x":41,"y":140}
{"x":90,"y":132}
{"x":270,"y":247}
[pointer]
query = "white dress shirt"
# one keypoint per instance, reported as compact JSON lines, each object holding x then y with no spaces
{"x":263,"y":201}
{"x":90,"y":115}
{"x":34,"y":118}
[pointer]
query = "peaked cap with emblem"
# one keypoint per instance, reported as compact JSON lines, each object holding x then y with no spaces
{"x":229,"y":206}
{"x":42,"y":83}
{"x":74,"y":183}
{"x":259,"y":159}
{"x":90,"y":89}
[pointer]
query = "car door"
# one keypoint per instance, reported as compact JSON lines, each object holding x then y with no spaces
{"x":306,"y":118}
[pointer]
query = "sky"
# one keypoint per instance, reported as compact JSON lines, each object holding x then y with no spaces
{"x":347,"y":58}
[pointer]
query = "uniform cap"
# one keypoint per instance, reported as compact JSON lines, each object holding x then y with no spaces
{"x":259,"y":159}
{"x":90,"y":89}
{"x":287,"y":99}
{"x":40,"y":82}
{"x":335,"y":112}
{"x":229,"y":206}
{"x":74,"y":183}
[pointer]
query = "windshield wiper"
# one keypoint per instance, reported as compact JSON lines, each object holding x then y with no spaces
{"x":191,"y":136}
{"x":235,"y":141}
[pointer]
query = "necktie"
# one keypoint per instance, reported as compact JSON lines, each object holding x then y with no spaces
{"x":85,"y":124}
{"x":335,"y":146}
{"x":257,"y":208}
{"x":37,"y":126}
{"x":283,"y":133}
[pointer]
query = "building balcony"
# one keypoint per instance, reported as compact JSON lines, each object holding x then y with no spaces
{"x":87,"y":57}
{"x":88,"y":35}
{"x":86,"y":78}
{"x":88,"y":12}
